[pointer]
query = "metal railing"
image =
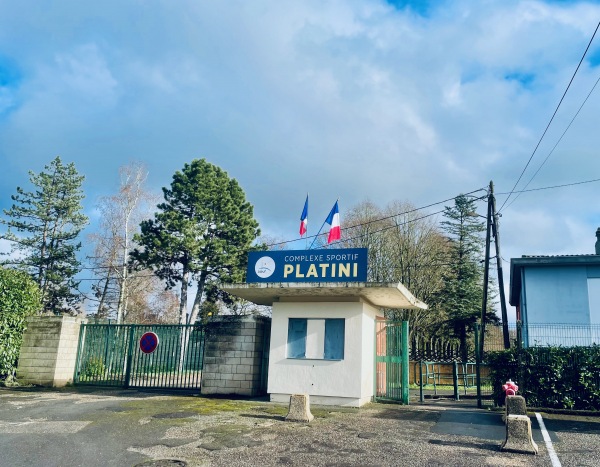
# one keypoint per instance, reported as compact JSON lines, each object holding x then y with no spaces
{"x":110,"y":355}
{"x":533,"y":363}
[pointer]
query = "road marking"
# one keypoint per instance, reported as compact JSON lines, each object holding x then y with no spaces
{"x":546,"y":436}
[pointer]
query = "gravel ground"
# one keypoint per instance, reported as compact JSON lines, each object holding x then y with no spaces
{"x":125,"y":428}
{"x":375,"y":436}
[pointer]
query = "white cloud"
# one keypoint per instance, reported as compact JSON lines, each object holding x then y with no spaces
{"x":347,"y":98}
{"x":83,"y":73}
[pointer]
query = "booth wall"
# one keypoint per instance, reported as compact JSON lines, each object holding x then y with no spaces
{"x":342,"y":382}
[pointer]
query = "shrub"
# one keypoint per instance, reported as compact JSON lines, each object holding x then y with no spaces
{"x":552,"y":377}
{"x":93,"y":368}
{"x":19,"y":298}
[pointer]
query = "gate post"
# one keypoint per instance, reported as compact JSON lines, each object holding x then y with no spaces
{"x":478,"y":365}
{"x":455,"y":380}
{"x":48,"y":354}
{"x":129,"y":355}
{"x":234,"y":355}
{"x":80,"y":341}
{"x":405,"y":365}
{"x":421,"y":399}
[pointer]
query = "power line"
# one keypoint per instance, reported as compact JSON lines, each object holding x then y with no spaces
{"x":118,"y":266}
{"x":395,"y":268}
{"x":345,"y":239}
{"x":381,"y":219}
{"x":554,"y":186}
{"x":393,"y":226}
{"x":559,"y":140}
{"x":92,"y":268}
{"x":550,"y":122}
{"x":372,"y":221}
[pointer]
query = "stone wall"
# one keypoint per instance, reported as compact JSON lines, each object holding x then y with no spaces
{"x":236,"y":354}
{"x":49,"y":350}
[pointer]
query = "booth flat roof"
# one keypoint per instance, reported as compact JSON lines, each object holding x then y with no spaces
{"x":384,"y":295}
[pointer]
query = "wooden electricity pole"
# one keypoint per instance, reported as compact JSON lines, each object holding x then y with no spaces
{"x":496,"y":234}
{"x":493,"y":229}
{"x":486,"y":272}
{"x":480,"y":333}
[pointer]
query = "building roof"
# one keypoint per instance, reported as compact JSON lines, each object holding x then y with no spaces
{"x":383,"y":295}
{"x":517,"y":264}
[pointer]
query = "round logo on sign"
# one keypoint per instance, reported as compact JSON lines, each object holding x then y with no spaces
{"x":148,"y":342}
{"x":264,"y":267}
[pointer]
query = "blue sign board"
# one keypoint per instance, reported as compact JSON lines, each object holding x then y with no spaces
{"x":336,"y":265}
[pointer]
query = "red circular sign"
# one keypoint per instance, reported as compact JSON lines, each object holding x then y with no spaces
{"x":148,"y":342}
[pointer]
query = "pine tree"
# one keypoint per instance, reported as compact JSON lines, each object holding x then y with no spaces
{"x":43,"y":226}
{"x":462,"y":293}
{"x":201,"y":233}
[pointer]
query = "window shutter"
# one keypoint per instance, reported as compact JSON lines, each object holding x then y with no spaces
{"x":334,"y":339}
{"x":296,"y":338}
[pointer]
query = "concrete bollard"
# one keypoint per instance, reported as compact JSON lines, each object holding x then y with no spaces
{"x":514,"y":405}
{"x":518,"y":435}
{"x":299,"y":410}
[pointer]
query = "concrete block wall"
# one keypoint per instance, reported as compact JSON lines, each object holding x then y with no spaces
{"x":49,"y":350}
{"x":236,"y":356}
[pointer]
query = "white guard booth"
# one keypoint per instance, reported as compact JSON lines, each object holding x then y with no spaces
{"x":323,"y":336}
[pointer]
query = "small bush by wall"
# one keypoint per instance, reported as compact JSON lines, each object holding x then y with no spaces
{"x":93,"y":368}
{"x":552,"y":377}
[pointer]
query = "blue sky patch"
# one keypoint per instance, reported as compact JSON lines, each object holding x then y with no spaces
{"x":525,"y":79}
{"x":10,"y":76}
{"x":422,"y":7}
{"x":594,"y":57}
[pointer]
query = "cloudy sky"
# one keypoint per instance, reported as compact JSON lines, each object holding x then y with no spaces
{"x":358,"y":99}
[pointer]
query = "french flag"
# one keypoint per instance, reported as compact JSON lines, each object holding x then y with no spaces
{"x":304,"y":218}
{"x":333,"y":219}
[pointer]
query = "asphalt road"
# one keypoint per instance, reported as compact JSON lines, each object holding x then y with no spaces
{"x":129,"y":428}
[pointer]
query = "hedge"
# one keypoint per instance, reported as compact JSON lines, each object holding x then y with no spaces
{"x":19,"y":298}
{"x":552,"y":377}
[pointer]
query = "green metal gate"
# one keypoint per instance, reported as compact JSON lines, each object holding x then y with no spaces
{"x":110,"y":355}
{"x":391,"y":360}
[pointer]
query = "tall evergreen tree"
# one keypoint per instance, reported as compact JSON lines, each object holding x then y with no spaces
{"x":43,"y":226}
{"x":201,"y":233}
{"x":462,"y":293}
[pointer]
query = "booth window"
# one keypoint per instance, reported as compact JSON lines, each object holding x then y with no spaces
{"x":316,"y":338}
{"x":296,"y":338}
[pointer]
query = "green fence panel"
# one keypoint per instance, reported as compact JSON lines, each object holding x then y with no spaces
{"x":110,"y":355}
{"x":391,"y":361}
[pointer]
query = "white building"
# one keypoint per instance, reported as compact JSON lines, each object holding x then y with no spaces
{"x":323,"y":336}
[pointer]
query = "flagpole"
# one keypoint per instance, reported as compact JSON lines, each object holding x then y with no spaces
{"x":306,"y":238}
{"x":324,"y":222}
{"x":318,"y":233}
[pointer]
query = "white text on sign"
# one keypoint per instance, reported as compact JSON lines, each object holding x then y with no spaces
{"x":321,"y":270}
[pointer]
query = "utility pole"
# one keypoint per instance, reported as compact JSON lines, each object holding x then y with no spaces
{"x":496,"y":234}
{"x":480,"y":330}
{"x":486,"y":270}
